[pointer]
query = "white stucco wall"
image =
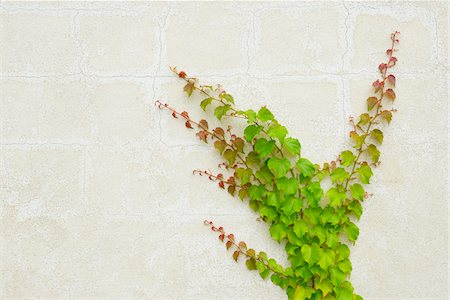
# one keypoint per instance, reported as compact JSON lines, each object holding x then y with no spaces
{"x":97,"y":198}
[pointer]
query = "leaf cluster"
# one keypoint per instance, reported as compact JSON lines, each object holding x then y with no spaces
{"x":286,"y":190}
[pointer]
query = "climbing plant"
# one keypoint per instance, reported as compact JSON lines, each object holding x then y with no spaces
{"x":314,"y":224}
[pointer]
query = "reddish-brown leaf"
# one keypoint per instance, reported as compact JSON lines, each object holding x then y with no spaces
{"x":231,"y":189}
{"x":202,"y":135}
{"x":221,"y":185}
{"x":239,"y":144}
{"x":203,"y":124}
{"x":174,"y":115}
{"x":185,"y":114}
{"x":236,"y":255}
{"x":188,"y":124}
{"x":382,"y":67}
{"x":219,"y":132}
{"x":182,"y":74}
{"x":189,"y":88}
{"x":390,"y":94}
{"x":228,"y":244}
{"x":391,"y":79}
{"x":221,"y":237}
{"x":242,"y":245}
{"x":392,"y":61}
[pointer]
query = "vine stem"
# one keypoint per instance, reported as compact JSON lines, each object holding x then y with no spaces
{"x":192,"y":81}
{"x":230,"y":237}
{"x":161,"y":105}
{"x":377,"y":113}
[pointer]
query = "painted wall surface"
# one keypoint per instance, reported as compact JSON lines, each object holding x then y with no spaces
{"x":97,"y":198}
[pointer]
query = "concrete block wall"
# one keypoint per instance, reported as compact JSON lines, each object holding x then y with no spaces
{"x":97,"y":198}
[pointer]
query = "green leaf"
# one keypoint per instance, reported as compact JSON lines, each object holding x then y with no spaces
{"x":269,"y":212}
{"x":302,"y":293}
{"x":220,"y":111}
{"x":279,"y":166}
{"x":343,"y":252}
{"x":311,"y":253}
{"x":326,"y":259}
{"x":251,"y":264}
{"x":305,"y":167}
{"x":249,"y":114}
{"x":288,"y":185}
{"x":335,"y":196}
{"x":312,"y":214}
{"x":300,"y":228}
{"x":227,"y":97}
{"x":273,"y":199}
{"x":359,"y":139}
{"x":244,"y":175}
{"x":345,"y":266}
{"x":371,"y":102}
{"x":292,"y":146}
{"x":264,"y":147}
{"x":313,"y":193}
{"x":320,"y":233}
{"x":339,"y":175}
{"x":252,"y":159}
{"x":325,"y":286}
{"x":364,"y":119}
{"x":352,"y":231}
{"x":278,"y":231}
{"x":337,"y":276}
{"x":205,"y":103}
{"x":265,"y":115}
{"x":220,"y":145}
{"x":256,"y":192}
{"x":251,"y":131}
{"x":357,"y":191}
{"x":278,"y":132}
{"x":230,"y":155}
{"x":377,"y":134}
{"x":356,"y":208}
{"x":365,"y":172}
{"x":373,"y":152}
{"x":264,"y":174}
{"x":291,"y":205}
{"x":347,"y":158}
{"x":387,"y":115}
{"x":263,"y":271}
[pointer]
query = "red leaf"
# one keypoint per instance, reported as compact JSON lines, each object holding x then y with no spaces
{"x":174,"y":115}
{"x":382,"y":67}
{"x":182,"y":74}
{"x":388,"y":51}
{"x":221,"y":185}
{"x":220,"y":175}
{"x":188,"y":124}
{"x":378,"y":85}
{"x":392,"y":61}
{"x":221,"y":237}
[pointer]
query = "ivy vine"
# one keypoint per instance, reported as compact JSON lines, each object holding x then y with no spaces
{"x":285,"y":188}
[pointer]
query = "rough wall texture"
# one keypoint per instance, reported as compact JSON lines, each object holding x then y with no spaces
{"x":97,"y":195}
